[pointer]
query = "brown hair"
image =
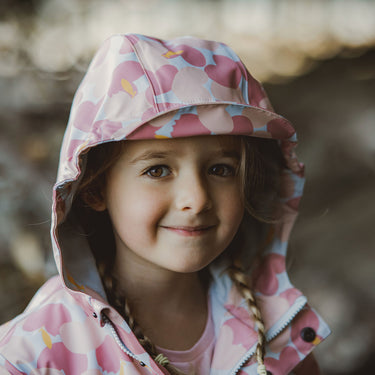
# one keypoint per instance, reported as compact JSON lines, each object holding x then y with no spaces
{"x":260,"y":171}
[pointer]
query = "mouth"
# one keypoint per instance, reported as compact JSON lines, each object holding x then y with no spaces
{"x":189,"y":231}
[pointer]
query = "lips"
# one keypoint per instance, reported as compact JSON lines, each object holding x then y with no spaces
{"x":188,"y":230}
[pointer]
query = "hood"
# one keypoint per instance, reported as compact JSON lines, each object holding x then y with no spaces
{"x":138,"y":87}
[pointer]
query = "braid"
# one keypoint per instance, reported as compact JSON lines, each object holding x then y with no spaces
{"x":239,"y":278}
{"x":147,"y":344}
{"x":121,"y":304}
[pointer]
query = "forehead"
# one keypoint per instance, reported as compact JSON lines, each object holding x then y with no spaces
{"x":207,"y":144}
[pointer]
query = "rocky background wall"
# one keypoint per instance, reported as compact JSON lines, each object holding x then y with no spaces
{"x":317,"y":59}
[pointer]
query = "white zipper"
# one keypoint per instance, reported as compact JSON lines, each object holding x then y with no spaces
{"x":119,"y":341}
{"x":274,"y":331}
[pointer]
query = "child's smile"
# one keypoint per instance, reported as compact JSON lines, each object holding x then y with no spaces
{"x":175,"y":204}
{"x":189,"y":230}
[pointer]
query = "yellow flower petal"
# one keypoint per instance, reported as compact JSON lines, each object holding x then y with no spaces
{"x":170,"y":54}
{"x":127,"y":86}
{"x":316,"y":341}
{"x":122,"y":371}
{"x":46,"y":338}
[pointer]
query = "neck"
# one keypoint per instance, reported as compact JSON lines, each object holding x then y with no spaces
{"x":163,"y":301}
{"x":143,"y":285}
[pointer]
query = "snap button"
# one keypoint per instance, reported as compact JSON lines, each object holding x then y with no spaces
{"x":94,"y":315}
{"x":308,"y":334}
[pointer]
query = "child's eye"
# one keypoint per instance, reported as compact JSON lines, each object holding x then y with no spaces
{"x":222,"y":170}
{"x":157,"y":171}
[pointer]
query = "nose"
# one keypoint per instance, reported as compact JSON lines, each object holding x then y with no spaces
{"x":193,"y":194}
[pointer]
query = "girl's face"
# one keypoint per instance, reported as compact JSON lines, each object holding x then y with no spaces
{"x":175,"y":204}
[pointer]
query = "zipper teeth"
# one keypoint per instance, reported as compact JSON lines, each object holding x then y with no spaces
{"x":251,"y":353}
{"x":300,"y":305}
{"x":117,"y":338}
{"x":269,"y":337}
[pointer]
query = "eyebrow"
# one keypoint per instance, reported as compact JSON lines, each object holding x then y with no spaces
{"x":230,"y":154}
{"x":150,"y":155}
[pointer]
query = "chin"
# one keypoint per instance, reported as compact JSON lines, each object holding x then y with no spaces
{"x":190,"y":267}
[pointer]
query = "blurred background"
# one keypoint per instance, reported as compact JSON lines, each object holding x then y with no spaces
{"x":317,"y":61}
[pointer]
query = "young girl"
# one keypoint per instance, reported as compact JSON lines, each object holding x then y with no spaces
{"x":176,"y":193}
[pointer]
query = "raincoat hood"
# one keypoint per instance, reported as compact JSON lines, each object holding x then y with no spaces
{"x":138,"y":87}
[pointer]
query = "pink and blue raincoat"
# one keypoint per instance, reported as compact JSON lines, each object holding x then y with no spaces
{"x":138,"y":87}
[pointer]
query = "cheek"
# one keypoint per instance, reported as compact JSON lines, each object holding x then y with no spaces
{"x":232,"y":207}
{"x":147,"y":211}
{"x":135,"y":210}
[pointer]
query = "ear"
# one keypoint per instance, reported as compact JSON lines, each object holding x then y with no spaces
{"x":94,"y":200}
